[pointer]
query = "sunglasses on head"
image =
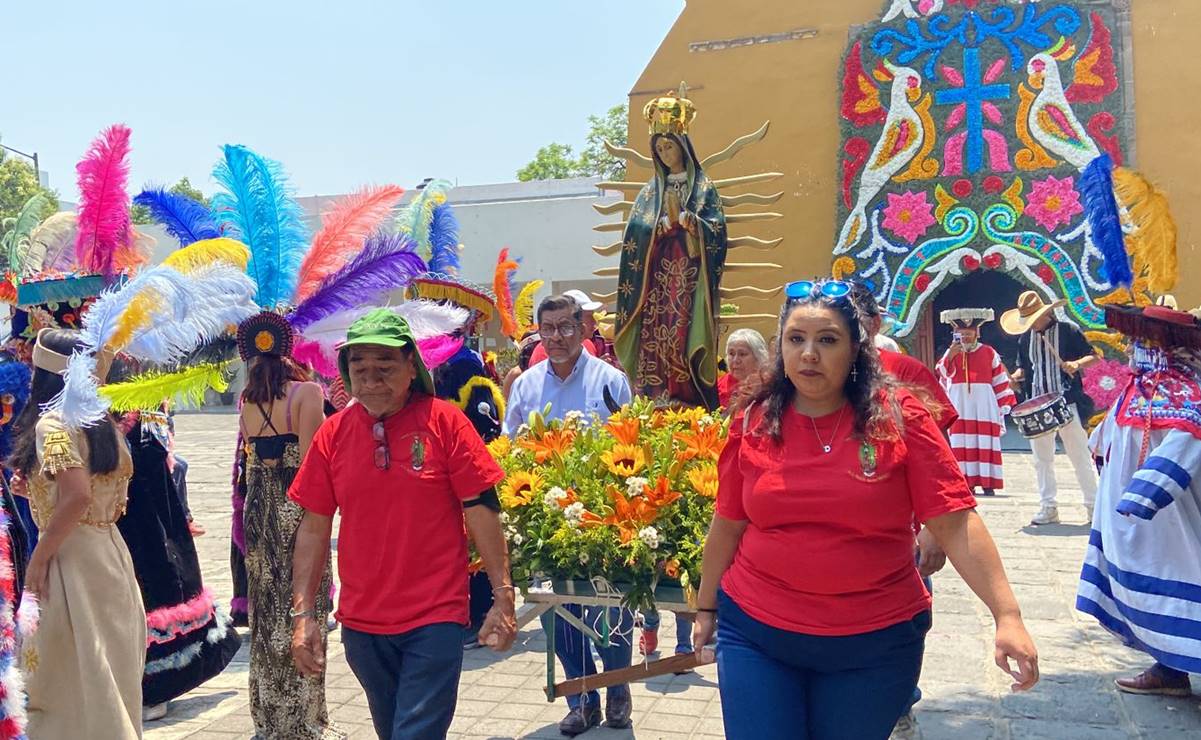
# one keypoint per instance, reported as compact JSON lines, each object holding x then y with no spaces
{"x":829,"y":288}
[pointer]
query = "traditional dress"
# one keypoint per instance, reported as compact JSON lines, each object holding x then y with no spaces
{"x":978,"y":386}
{"x":84,"y":664}
{"x":667,"y":292}
{"x":188,"y":640}
{"x":1142,"y":571}
{"x":283,"y":703}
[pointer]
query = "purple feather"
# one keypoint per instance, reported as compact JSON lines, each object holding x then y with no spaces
{"x":387,"y":263}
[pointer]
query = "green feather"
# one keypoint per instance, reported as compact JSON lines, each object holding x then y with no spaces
{"x":17,"y":229}
{"x":185,"y":387}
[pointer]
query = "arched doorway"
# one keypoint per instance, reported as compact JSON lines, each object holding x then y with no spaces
{"x":979,"y":289}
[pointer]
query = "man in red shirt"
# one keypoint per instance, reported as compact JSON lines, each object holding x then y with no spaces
{"x":405,"y":469}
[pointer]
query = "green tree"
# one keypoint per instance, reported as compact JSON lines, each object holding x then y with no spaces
{"x":19,"y":183}
{"x":141,"y":214}
{"x":556,"y":161}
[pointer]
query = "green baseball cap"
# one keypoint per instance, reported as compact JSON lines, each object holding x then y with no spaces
{"x":386,"y":329}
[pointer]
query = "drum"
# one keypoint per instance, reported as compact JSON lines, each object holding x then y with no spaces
{"x":1041,"y":415}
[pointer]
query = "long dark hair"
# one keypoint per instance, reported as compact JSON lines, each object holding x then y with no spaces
{"x":103,"y":450}
{"x":868,"y":388}
{"x":267,"y":378}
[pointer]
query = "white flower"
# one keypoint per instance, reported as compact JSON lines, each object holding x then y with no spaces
{"x":705,"y":421}
{"x":552,"y":498}
{"x":523,"y":430}
{"x":504,"y":517}
{"x":573,"y":417}
{"x":574,"y":513}
{"x":517,"y":539}
{"x":636,"y":486}
{"x":650,"y":536}
{"x":1108,"y":383}
{"x":583,"y":558}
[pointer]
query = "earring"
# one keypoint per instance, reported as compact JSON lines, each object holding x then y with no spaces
{"x":854,"y":375}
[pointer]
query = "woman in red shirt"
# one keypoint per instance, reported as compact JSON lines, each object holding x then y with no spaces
{"x":746,"y":356}
{"x":829,"y":467}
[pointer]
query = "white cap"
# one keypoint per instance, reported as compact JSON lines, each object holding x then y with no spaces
{"x":585,"y":303}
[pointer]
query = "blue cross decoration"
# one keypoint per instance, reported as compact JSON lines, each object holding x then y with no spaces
{"x":973,"y":94}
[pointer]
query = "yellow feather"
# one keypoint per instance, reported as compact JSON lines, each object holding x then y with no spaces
{"x":207,"y":251}
{"x":137,"y":316}
{"x":523,"y":307}
{"x":146,"y":392}
{"x":1153,"y":243}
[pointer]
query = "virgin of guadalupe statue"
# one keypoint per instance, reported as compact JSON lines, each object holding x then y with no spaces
{"x":673,"y":252}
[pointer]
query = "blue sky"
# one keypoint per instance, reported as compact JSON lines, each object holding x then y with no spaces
{"x":343,"y":92}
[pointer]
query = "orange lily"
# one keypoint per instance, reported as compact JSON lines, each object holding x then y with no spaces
{"x":629,"y":515}
{"x":624,"y":430}
{"x":702,"y":442}
{"x":672,"y":569}
{"x":552,"y":444}
{"x":704,"y":479}
{"x":661,"y":495}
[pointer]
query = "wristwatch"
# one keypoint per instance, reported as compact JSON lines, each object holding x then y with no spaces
{"x":293,"y":614}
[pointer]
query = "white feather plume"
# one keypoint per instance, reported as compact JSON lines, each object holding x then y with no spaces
{"x":432,"y":318}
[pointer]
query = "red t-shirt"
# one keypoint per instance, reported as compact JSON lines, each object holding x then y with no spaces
{"x":726,"y":386}
{"x":539,"y":353}
{"x":828,"y":548}
{"x":402,"y":548}
{"x":911,"y":370}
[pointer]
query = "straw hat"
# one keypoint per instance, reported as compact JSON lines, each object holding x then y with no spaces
{"x":1030,"y":309}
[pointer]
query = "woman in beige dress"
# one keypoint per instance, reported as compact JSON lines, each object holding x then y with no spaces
{"x":83,"y":665}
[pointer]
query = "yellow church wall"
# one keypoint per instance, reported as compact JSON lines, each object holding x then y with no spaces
{"x":781,"y":62}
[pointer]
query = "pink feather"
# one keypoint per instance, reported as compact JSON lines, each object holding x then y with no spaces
{"x":104,"y":203}
{"x":314,"y":355}
{"x":437,"y":350}
{"x":343,"y":233}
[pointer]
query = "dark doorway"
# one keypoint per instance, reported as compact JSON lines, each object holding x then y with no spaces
{"x":979,"y":289}
{"x":983,"y":289}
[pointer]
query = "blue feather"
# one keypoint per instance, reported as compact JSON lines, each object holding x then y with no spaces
{"x":260,"y":207}
{"x":185,"y":218}
{"x":415,"y":220}
{"x":444,"y":240}
{"x":1105,"y":223}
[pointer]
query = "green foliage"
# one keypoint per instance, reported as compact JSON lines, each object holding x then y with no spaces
{"x":19,"y":183}
{"x":141,"y":214}
{"x":557,"y":161}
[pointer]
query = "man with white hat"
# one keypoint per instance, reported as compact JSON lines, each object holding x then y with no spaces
{"x":1051,"y":356}
{"x":595,"y":343}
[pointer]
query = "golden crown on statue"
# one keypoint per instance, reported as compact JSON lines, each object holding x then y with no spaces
{"x":671,"y":113}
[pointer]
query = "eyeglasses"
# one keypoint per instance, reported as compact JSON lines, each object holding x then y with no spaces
{"x":565,"y":330}
{"x":383,"y":456}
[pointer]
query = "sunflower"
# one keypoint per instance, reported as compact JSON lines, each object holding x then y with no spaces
{"x":500,"y":447}
{"x":704,"y":479}
{"x":554,"y":443}
{"x":625,"y":460}
{"x":701,"y":442}
{"x":685,"y":417}
{"x":624,"y":430}
{"x":520,"y":488}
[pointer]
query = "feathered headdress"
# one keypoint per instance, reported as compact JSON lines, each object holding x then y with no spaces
{"x":444,"y":241}
{"x":439,"y":287}
{"x":415,"y":219}
{"x":1154,"y":239}
{"x":16,"y":242}
{"x":185,"y":387}
{"x":259,"y":209}
{"x":160,"y":316}
{"x":523,"y":307}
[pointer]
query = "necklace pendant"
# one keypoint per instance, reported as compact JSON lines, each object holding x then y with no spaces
{"x":826,"y":449}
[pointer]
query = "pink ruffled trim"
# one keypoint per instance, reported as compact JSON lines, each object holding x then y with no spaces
{"x":164,"y":625}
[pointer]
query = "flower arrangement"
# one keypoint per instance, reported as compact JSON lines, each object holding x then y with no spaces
{"x":629,"y":499}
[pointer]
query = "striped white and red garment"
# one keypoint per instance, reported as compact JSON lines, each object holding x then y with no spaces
{"x":978,"y":385}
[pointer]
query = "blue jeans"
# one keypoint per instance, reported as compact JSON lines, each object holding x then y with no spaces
{"x":411,"y":679}
{"x":780,"y":684}
{"x":683,"y":630}
{"x":917,"y":690}
{"x":575,"y":651}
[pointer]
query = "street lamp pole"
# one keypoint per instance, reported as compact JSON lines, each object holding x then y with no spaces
{"x":37,"y":172}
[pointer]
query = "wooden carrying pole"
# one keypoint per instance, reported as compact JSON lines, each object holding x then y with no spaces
{"x":640,"y":672}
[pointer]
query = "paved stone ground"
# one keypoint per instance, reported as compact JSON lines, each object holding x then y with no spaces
{"x":966,"y":696}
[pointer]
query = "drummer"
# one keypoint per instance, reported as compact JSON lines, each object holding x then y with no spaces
{"x":1051,"y":356}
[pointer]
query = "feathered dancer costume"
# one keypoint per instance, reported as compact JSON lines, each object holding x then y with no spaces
{"x":164,"y":317}
{"x":310,"y":293}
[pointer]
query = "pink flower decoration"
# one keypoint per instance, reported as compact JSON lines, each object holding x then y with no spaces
{"x":1054,"y":202}
{"x":909,"y":215}
{"x":1104,"y":381}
